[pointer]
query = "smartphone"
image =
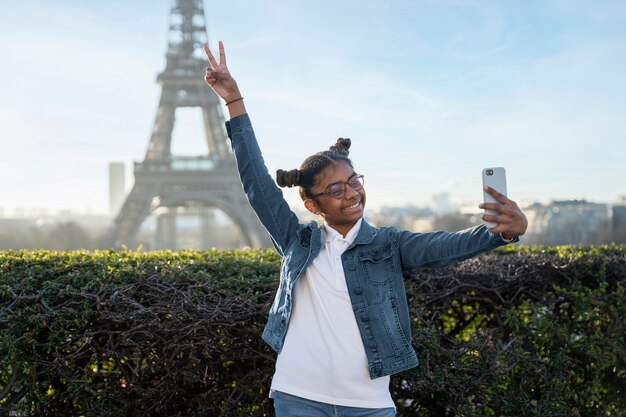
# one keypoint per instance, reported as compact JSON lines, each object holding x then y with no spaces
{"x":496,"y":179}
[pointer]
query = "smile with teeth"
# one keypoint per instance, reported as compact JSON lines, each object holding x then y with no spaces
{"x":355,"y":205}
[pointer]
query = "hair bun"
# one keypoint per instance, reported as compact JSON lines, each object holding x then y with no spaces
{"x":288,"y":178}
{"x":342,"y":146}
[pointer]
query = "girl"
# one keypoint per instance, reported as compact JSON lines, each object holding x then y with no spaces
{"x":340,"y":321}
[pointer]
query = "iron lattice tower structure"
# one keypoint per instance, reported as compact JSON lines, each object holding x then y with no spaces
{"x":164,"y":180}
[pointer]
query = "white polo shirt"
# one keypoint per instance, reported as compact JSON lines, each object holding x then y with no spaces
{"x":323,"y":358}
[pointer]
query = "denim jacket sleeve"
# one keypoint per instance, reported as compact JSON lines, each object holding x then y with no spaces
{"x":264,"y":195}
{"x":437,"y":249}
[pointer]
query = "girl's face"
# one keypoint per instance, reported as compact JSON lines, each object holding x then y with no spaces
{"x":339,"y":213}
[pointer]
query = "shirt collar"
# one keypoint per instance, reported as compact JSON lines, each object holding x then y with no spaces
{"x":332,"y":234}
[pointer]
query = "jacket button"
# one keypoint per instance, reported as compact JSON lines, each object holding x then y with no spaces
{"x":351,"y":267}
{"x":373,"y":345}
{"x":358,"y":291}
{"x":365,"y":318}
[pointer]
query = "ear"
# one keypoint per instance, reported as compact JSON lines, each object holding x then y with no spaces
{"x":312,"y":206}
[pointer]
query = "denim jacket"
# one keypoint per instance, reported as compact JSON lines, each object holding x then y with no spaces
{"x":373,"y":263}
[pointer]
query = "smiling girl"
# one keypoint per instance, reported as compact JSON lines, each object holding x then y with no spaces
{"x":340,"y":320}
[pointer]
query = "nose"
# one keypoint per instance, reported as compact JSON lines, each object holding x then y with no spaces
{"x":349,"y":193}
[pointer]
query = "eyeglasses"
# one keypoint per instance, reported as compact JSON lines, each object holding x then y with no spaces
{"x":338,"y":189}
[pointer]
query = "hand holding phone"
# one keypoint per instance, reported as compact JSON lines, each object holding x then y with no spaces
{"x":496,"y":179}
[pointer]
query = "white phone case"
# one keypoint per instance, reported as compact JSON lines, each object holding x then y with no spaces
{"x":496,"y":179}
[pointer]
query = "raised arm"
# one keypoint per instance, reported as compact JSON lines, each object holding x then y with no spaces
{"x":263,"y":194}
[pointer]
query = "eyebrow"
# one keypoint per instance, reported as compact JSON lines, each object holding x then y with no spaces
{"x":340,"y":182}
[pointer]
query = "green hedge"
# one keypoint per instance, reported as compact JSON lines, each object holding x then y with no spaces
{"x":518,"y":332}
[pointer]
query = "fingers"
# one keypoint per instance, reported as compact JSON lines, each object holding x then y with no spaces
{"x":210,"y":56}
{"x":510,"y":220}
{"x":216,"y":75}
{"x":212,"y":77}
{"x":498,"y":196}
{"x":500,"y":219}
{"x":504,"y":225}
{"x":510,"y":229}
{"x":212,"y":61}
{"x":222,"y":54}
{"x":499,"y":213}
{"x":492,"y":206}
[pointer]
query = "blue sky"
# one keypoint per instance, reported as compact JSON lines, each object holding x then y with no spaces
{"x":429,"y":91}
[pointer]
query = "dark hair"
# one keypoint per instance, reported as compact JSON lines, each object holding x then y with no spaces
{"x":313,"y":165}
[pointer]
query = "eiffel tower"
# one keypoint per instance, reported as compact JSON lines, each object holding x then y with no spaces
{"x":175,"y":184}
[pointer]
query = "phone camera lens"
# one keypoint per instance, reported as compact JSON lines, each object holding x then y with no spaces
{"x":490,"y":172}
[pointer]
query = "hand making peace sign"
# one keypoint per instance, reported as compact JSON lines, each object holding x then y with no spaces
{"x":218,"y":77}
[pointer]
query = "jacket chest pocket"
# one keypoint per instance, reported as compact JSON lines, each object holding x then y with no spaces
{"x":378,"y":265}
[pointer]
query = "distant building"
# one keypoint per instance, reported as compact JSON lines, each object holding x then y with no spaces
{"x":567,"y":222}
{"x":117,"y":186}
{"x":618,"y":221}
